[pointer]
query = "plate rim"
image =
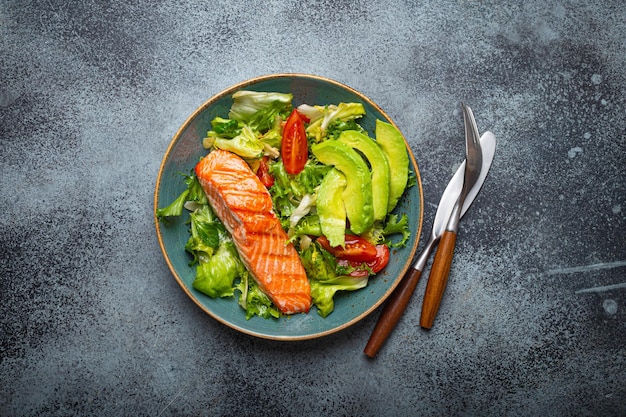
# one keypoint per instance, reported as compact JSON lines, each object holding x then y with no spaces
{"x":230,"y":90}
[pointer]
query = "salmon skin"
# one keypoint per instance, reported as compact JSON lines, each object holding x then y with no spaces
{"x":244,"y":206}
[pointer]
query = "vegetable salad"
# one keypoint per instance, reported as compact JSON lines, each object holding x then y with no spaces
{"x":314,"y":162}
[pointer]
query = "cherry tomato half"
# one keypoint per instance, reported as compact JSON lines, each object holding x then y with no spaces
{"x":381,"y":260}
{"x":264,"y":172}
{"x":376,"y":265}
{"x":356,"y":249}
{"x":294,"y":148}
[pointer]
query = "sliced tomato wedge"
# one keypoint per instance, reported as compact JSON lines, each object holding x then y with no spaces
{"x":376,"y":265}
{"x":381,"y":260}
{"x":264,"y":172}
{"x":294,"y":148}
{"x":356,"y":249}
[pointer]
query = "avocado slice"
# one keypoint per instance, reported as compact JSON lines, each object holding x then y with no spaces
{"x":378,"y":165}
{"x":357,"y":196}
{"x":330,"y":207}
{"x":393,"y":146}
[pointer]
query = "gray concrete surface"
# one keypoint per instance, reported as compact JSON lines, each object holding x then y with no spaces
{"x":534,"y":318}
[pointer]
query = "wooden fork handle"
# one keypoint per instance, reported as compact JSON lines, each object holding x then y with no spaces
{"x":438,"y":279}
{"x":394,"y":307}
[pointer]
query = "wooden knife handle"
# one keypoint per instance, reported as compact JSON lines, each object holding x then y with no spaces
{"x":394,"y":307}
{"x":438,"y":279}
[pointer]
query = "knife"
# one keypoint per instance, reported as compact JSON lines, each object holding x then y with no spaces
{"x":440,"y":269}
{"x":399,"y":299}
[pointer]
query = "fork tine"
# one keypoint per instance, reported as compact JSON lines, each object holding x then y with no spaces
{"x":471,"y":129}
{"x":472,"y":143}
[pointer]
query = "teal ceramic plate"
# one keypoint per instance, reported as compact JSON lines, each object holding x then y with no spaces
{"x":184,"y":152}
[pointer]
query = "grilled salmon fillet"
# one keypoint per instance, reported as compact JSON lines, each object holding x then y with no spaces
{"x":244,"y":206}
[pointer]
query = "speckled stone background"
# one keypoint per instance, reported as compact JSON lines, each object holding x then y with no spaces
{"x":533,"y":322}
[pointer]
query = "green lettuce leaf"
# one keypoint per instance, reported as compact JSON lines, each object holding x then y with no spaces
{"x":321,"y":117}
{"x":205,"y":232}
{"x":174,"y":209}
{"x":337,"y":126}
{"x":196,"y":193}
{"x":216,"y":276}
{"x":397,"y":226}
{"x":246,"y":144}
{"x":193,"y":193}
{"x":254,"y":301}
{"x":323,"y":292}
{"x":259,"y":109}
{"x":226,"y":128}
{"x":289,"y":190}
{"x":321,"y":269}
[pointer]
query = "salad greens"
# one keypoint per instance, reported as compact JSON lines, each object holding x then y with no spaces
{"x":254,"y":130}
{"x":322,"y":269}
{"x":219,"y":270}
{"x":341,"y":117}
